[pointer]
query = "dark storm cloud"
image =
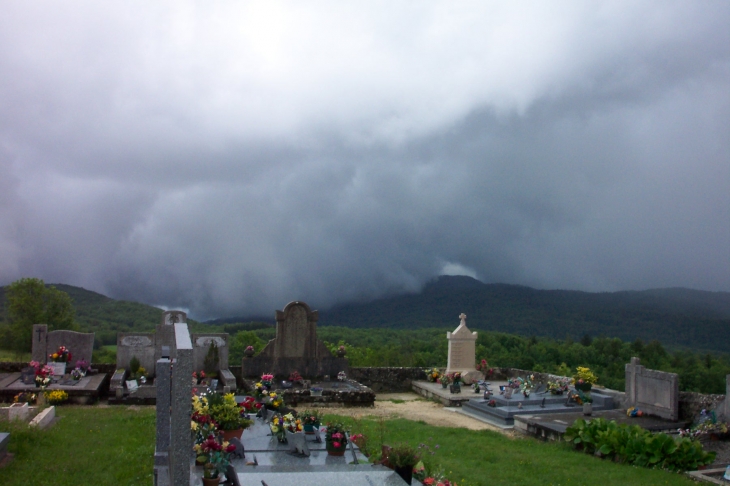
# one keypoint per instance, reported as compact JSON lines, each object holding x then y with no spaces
{"x":232,"y":158}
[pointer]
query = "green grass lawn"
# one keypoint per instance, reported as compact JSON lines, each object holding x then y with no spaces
{"x":86,"y":446}
{"x":487,"y":458}
{"x":114,"y":446}
{"x":7,"y":356}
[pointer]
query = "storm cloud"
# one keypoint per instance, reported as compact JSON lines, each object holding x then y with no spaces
{"x":228,"y":158}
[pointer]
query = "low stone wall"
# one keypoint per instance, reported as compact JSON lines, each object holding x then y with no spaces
{"x":691,"y":404}
{"x":387,"y":380}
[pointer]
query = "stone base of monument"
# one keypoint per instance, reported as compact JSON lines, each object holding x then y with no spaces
{"x":434,"y":391}
{"x":551,"y":426}
{"x":270,"y":462}
{"x":348,"y":393}
{"x":85,"y":391}
{"x":505,"y":410}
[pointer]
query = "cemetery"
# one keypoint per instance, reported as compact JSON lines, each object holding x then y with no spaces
{"x":263,"y":423}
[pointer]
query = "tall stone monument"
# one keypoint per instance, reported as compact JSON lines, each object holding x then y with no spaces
{"x":295,"y":347}
{"x":462,"y":352}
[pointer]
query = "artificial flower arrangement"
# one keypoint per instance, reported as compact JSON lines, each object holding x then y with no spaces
{"x":249,"y":351}
{"x":433,"y":374}
{"x":454,"y":377}
{"x":341,"y":376}
{"x":63,"y":355}
{"x":280,"y":424}
{"x":260,"y":390}
{"x":558,"y":386}
{"x":267,"y":379}
{"x":444,"y":380}
{"x":584,"y":377}
{"x":56,"y":397}
{"x":215,"y":456}
{"x":580,"y":397}
{"x":275,"y":401}
{"x":25,"y":397}
{"x":77,"y":374}
{"x":249,"y":405}
{"x":82,"y":367}
{"x":336,"y":435}
{"x":311,"y":417}
{"x":201,"y":423}
{"x":42,"y":374}
{"x":198,"y":377}
{"x":707,"y":426}
{"x":482,"y":366}
{"x":295,"y":377}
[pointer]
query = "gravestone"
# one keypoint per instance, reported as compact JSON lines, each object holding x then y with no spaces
{"x":462,"y":352}
{"x":45,"y":343}
{"x":654,"y":392}
{"x":139,"y":345}
{"x":295,"y":347}
{"x":148,"y":347}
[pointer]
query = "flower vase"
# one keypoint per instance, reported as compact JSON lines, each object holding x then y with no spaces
{"x":309,"y":429}
{"x":587,"y":408}
{"x":336,"y":451}
{"x":406,"y":472}
{"x":444,"y":385}
{"x":59,"y":368}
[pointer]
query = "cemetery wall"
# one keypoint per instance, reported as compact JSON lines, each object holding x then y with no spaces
{"x":387,"y":380}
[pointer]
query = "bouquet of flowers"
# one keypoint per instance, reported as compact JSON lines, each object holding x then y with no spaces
{"x":267,"y":379}
{"x":201,"y":423}
{"x":63,"y":355}
{"x":454,"y":377}
{"x":198,"y":377}
{"x":292,"y":424}
{"x":341,"y":376}
{"x":214,"y":455}
{"x":25,"y":397}
{"x":432,"y":374}
{"x":559,"y":386}
{"x":260,"y":390}
{"x":277,"y":428}
{"x":275,"y":401}
{"x":249,"y":405}
{"x":295,"y":377}
{"x":310,"y":417}
{"x":483,"y":366}
{"x":77,"y":374}
{"x":42,"y":374}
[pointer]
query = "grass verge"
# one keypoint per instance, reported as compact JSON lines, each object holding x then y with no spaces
{"x":484,"y":457}
{"x":86,"y":445}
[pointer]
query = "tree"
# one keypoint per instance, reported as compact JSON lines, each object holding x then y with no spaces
{"x":30,"y":301}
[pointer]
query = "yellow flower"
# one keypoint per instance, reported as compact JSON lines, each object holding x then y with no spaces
{"x":274,"y":428}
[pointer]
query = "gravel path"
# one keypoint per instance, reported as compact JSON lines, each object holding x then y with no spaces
{"x":414,"y":407}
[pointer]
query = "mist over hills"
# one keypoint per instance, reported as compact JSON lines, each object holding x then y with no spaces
{"x":675,"y":316}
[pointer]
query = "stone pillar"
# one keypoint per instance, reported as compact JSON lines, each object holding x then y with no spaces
{"x":462,"y":351}
{"x":631,"y":370}
{"x":40,"y":344}
{"x":181,"y":442}
{"x":162,"y":382}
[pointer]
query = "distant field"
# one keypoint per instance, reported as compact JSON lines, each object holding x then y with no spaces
{"x":13,"y":356}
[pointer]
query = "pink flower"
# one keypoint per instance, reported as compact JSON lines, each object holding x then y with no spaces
{"x":336,"y":444}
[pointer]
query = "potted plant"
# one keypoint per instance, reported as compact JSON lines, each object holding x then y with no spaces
{"x":558,"y":386}
{"x":310,"y":419}
{"x":60,"y":358}
{"x":229,"y":416}
{"x":403,"y":458}
{"x":56,"y":397}
{"x":295,"y":377}
{"x":444,"y":380}
{"x":277,"y":428}
{"x":584,"y":379}
{"x":341,"y":351}
{"x":249,"y":352}
{"x":336,"y":439}
{"x":215,"y":456}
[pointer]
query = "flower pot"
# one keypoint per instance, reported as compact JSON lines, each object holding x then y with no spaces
{"x":211,"y":481}
{"x":444,"y":385}
{"x":249,"y":353}
{"x":309,"y":429}
{"x":336,"y":451}
{"x":59,"y":369}
{"x":406,"y":472}
{"x":584,"y":387}
{"x":230,"y":434}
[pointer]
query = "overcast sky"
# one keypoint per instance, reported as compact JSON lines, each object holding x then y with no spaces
{"x":228,"y":158}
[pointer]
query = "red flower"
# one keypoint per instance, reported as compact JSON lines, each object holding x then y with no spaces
{"x":336,"y":444}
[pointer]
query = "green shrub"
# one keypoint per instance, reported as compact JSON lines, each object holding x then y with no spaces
{"x":636,"y":446}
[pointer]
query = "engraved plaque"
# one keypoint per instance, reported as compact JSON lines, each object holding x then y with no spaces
{"x":136,"y":341}
{"x":204,"y":341}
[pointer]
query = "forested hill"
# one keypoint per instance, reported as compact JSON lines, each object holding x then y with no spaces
{"x":676,"y":317}
{"x":103,"y":315}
